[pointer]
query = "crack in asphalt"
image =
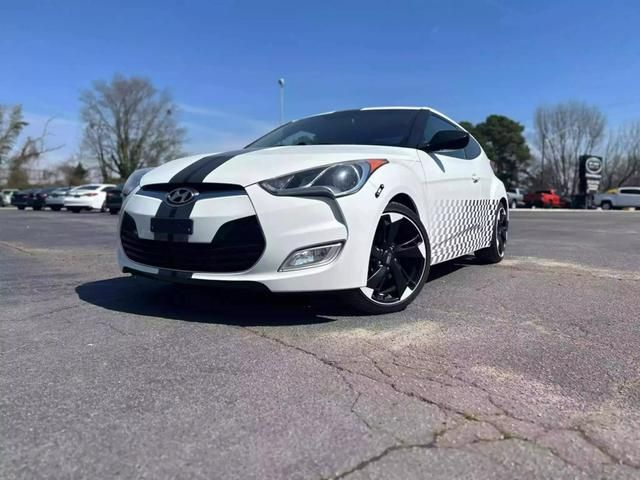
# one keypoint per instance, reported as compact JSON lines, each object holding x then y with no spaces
{"x":115,"y":329}
{"x":505,"y":434}
{"x":393,"y":448}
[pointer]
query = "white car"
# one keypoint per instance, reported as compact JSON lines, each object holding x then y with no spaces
{"x":623,"y":197}
{"x":87,"y":197}
{"x":360,"y":201}
{"x":5,"y":196}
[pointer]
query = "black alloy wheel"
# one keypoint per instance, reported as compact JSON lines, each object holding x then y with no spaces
{"x":398,"y":263}
{"x":495,"y":252}
{"x":502,"y":230}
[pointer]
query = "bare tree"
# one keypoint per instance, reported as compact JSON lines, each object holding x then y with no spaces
{"x":11,"y":124}
{"x":129,"y":124}
{"x":562,"y":133}
{"x":622,"y":156}
{"x":72,"y":172}
{"x":19,"y":159}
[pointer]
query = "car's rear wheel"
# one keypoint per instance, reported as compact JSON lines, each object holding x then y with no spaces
{"x":607,"y":205}
{"x":398,"y":263}
{"x":495,"y":252}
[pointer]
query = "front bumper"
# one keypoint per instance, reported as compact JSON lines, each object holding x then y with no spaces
{"x":287,"y":223}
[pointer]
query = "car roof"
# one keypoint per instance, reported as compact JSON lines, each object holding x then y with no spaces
{"x":430,"y":109}
{"x":79,"y":187}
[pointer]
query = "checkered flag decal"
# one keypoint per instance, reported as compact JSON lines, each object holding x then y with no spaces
{"x":460,"y":227}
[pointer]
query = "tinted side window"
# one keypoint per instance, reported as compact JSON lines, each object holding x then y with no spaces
{"x":434,"y":125}
{"x":632,"y":191}
{"x":473,"y":149}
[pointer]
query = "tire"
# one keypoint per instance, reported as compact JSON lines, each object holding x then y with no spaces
{"x":606,"y":205}
{"x":21,"y":208}
{"x":398,"y":264}
{"x":114,"y":211}
{"x":37,"y":209}
{"x":74,"y":209}
{"x":103,"y":207}
{"x":494,"y":253}
{"x":56,"y":209}
{"x":514,"y":205}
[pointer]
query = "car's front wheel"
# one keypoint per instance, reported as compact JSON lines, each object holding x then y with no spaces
{"x":398,"y":263}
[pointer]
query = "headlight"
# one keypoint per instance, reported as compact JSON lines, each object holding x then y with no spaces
{"x":334,"y":180}
{"x":133,"y":181}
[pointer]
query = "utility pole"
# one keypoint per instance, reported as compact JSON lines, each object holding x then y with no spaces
{"x":281,"y":83}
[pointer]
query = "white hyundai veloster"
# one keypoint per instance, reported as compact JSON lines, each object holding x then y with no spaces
{"x":358,"y":201}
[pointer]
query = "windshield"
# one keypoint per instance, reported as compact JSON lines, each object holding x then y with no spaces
{"x":87,"y":187}
{"x":351,"y":127}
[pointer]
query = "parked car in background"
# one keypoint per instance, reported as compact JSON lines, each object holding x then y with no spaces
{"x":543,"y":199}
{"x":515,"y":197}
{"x":24,"y":198}
{"x":5,"y":196}
{"x":40,"y":198}
{"x":87,"y":197}
{"x":114,"y":199}
{"x":623,"y":197}
{"x":55,"y":199}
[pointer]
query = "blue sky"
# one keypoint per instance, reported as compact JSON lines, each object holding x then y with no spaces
{"x":221,"y":59}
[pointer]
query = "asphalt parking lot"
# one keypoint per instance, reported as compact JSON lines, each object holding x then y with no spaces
{"x":526,"y":369}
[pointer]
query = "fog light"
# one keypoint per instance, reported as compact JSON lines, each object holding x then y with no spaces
{"x":311,"y":257}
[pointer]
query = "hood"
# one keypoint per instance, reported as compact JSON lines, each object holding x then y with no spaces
{"x":246,"y":167}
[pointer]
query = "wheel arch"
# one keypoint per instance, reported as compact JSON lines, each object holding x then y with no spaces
{"x":406,"y":200}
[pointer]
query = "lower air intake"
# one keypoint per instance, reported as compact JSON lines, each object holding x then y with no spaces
{"x":236,"y":247}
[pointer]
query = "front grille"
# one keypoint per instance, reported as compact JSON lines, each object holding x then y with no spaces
{"x":236,"y":247}
{"x":200,"y":187}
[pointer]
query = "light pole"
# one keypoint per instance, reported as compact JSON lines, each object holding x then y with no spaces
{"x":281,"y":83}
{"x":544,"y":141}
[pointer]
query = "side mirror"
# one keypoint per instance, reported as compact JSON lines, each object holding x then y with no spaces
{"x":447,"y":140}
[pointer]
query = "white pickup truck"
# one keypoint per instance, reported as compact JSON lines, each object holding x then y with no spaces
{"x":623,"y":197}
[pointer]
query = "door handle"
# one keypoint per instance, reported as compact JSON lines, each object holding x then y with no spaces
{"x":475,"y":178}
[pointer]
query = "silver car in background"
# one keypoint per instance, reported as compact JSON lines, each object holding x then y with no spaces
{"x":516,"y":197}
{"x":55,"y":199}
{"x":623,"y":197}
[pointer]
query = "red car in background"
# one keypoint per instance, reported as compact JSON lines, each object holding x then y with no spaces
{"x":543,"y":199}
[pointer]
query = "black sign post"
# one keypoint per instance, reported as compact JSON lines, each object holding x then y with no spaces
{"x":590,"y":174}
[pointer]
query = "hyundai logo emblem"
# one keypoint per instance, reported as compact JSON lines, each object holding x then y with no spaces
{"x":181,"y":196}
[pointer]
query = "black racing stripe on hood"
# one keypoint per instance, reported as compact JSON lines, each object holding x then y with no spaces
{"x":198,"y":170}
{"x":168,"y":211}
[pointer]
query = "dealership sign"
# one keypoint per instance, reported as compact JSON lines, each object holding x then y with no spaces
{"x":590,"y":171}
